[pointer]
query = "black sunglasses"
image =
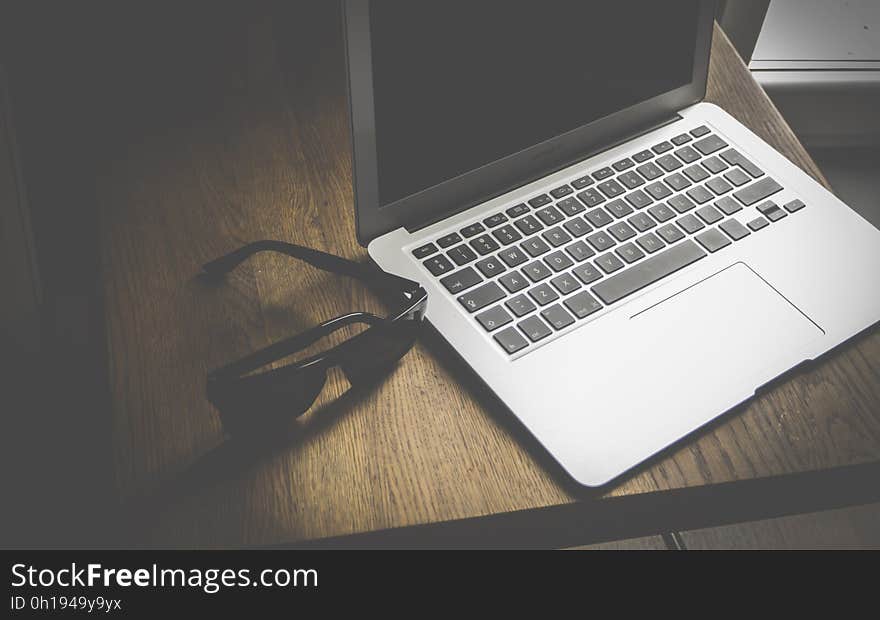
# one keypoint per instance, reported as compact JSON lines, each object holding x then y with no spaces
{"x":253,"y":403}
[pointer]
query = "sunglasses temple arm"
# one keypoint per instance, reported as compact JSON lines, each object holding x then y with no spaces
{"x":385,"y":283}
{"x":288,"y":346}
{"x":316,"y":258}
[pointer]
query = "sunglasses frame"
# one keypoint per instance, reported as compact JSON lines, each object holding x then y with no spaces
{"x":408,"y":298}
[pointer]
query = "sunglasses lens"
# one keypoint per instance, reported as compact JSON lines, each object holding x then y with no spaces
{"x":266,"y":402}
{"x":375,"y":352}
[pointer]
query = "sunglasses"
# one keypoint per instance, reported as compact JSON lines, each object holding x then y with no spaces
{"x":252,"y":402}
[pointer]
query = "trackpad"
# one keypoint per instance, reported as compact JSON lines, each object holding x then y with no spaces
{"x":724,"y":336}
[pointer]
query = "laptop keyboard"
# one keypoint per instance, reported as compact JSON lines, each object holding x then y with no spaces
{"x":540,"y":266}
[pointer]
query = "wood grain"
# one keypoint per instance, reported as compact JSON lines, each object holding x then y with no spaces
{"x":271,"y":159}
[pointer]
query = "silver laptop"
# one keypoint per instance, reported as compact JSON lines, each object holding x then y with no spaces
{"x":619,"y":262}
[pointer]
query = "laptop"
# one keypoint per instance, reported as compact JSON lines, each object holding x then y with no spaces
{"x":619,"y":262}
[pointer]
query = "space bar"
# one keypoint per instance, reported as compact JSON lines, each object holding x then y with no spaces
{"x":647,"y":272}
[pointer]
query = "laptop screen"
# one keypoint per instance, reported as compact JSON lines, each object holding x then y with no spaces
{"x":458,"y":85}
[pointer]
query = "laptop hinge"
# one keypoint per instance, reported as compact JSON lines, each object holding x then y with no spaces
{"x":642,"y":130}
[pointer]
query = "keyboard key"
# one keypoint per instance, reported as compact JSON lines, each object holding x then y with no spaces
{"x":511,"y":340}
{"x":794,"y":205}
{"x":507,"y":234}
{"x":566,"y":283}
{"x":734,"y":229}
{"x":473,"y":229}
{"x":696,"y":173}
{"x":517,"y":210}
{"x":558,"y":261}
{"x":661,"y":212}
{"x":582,"y":182}
{"x":609,"y":263}
{"x":737,"y":177}
{"x":650,"y":243}
{"x":714,"y":165}
{"x":528,"y":225}
{"x":462,"y":254}
{"x":438,"y":265}
{"x":512,"y":256}
{"x":543,"y":294}
{"x":771,"y":211}
{"x":514,"y":281}
{"x":662,"y":147}
{"x":549,"y":215}
{"x":577,"y":227}
{"x":623,"y":164}
{"x":604,"y":173}
{"x":630,"y":253}
{"x":643,"y":156}
{"x":728,"y":205}
{"x":561,"y":192}
{"x":709,"y":144}
{"x":482,"y":296}
{"x":591,"y":197}
{"x":582,"y":305}
{"x":639,"y":199}
{"x":758,"y":223}
{"x":570,"y":206}
{"x":757,"y":191}
{"x":650,"y":171}
{"x":648,"y":271}
{"x":425,"y":250}
{"x":642,"y":222}
{"x":611,"y":188}
{"x":709,"y":214}
{"x":681,"y":139}
{"x":735,"y":158}
{"x":658,"y":190}
{"x":494,"y":318}
{"x":700,"y":194}
{"x":491,"y":267}
{"x":484,"y":244}
{"x":579,"y":251}
{"x":557,"y":317}
{"x":687,"y":154}
{"x":448,"y":240}
{"x":586,"y":273}
{"x":677,"y":181}
{"x":461,"y":280}
{"x":681,"y":203}
{"x":618,"y":208}
{"x":535,"y":246}
{"x":599,"y":218}
{"x":539,"y":201}
{"x":669,"y":163}
{"x":712,"y":240}
{"x":670,"y":233}
{"x":621,"y":231}
{"x":631,"y":179}
{"x":495,"y":220}
{"x":690,"y":224}
{"x":719,"y":185}
{"x":520,"y":305}
{"x":556,"y":236}
{"x":700,"y":131}
{"x":601,"y":241}
{"x":534,"y":328}
{"x":537,"y":271}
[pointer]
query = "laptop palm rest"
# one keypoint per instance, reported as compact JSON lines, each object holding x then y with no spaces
{"x":730,"y":327}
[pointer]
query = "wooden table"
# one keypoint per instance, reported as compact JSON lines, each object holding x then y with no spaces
{"x":429,"y":447}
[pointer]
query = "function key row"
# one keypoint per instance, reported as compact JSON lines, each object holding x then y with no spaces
{"x":611,"y":188}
